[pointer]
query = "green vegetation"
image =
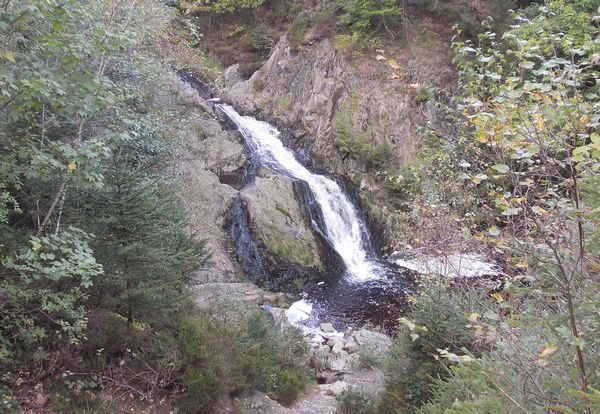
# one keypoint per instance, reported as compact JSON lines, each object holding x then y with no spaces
{"x":352,"y":401}
{"x":364,"y":16}
{"x":288,"y":248}
{"x":360,"y":145}
{"x":96,"y":257}
{"x":362,"y":19}
{"x":516,"y":163}
{"x":297,"y":30}
{"x":218,"y":6}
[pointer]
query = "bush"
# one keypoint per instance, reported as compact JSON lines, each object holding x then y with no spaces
{"x":439,"y":323}
{"x":297,"y":30}
{"x":8,"y":402}
{"x":279,"y":356}
{"x":366,"y":15}
{"x":202,"y":387}
{"x":352,"y":401}
{"x":381,"y":156}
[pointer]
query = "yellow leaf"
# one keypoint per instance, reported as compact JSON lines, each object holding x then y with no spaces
{"x":393,"y":63}
{"x":72,"y":166}
{"x":547,"y":350}
{"x":474,"y":316}
{"x":10,"y":56}
{"x":497,"y":297}
{"x":522,"y":264}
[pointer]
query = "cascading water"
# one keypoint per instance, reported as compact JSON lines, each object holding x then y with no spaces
{"x":370,"y":290}
{"x":343,"y":227}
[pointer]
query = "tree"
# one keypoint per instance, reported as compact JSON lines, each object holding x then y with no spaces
{"x":218,"y":6}
{"x":369,"y":15}
{"x":528,"y":116}
{"x":145,"y":246}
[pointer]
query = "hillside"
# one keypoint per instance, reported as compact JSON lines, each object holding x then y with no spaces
{"x":276,"y":206}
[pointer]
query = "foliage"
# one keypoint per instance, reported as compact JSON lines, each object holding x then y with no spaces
{"x":146,"y":249}
{"x":355,"y":44}
{"x":297,"y":30}
{"x":218,"y":6}
{"x":369,"y":15}
{"x":437,"y":332}
{"x":523,"y":140}
{"x":361,"y":145}
{"x":352,"y":401}
{"x":81,"y":145}
{"x":278,"y":356}
{"x":8,"y":403}
{"x":43,"y":291}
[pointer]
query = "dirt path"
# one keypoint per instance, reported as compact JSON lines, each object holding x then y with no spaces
{"x":317,"y":400}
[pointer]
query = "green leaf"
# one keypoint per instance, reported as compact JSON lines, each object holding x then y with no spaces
{"x":501,"y":168}
{"x":527,"y":64}
{"x":10,"y":56}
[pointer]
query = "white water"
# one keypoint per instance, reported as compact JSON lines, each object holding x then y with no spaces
{"x":343,"y":227}
{"x":455,"y":265}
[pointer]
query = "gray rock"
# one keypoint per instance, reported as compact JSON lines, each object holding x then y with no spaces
{"x":232,"y":76}
{"x":335,"y":340}
{"x":340,"y":361}
{"x":326,"y":327}
{"x":364,"y":337}
{"x":229,"y":295}
{"x":276,"y":219}
{"x":351,"y":347}
{"x":337,"y":349}
{"x":334,"y":388}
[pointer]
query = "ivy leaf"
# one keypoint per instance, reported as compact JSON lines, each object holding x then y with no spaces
{"x":527,"y":64}
{"x":501,"y":168}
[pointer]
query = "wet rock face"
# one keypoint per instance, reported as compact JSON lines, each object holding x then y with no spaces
{"x":286,"y":249}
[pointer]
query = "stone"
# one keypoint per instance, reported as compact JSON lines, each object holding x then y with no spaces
{"x":326,"y":327}
{"x":232,"y":76}
{"x":337,"y":349}
{"x":339,"y":362}
{"x":334,"y":388}
{"x":364,"y":337}
{"x":211,"y":295}
{"x":277,"y":220}
{"x":40,"y":400}
{"x":351,"y":347}
{"x":335,"y":340}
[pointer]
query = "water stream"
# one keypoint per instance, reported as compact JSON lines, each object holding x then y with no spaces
{"x":367,"y":290}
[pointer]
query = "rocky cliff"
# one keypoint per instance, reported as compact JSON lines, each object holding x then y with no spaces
{"x":356,"y":114}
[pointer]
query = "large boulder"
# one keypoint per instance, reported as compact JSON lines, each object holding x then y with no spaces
{"x":278,"y":223}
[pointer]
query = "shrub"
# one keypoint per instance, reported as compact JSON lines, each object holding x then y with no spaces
{"x":422,"y":95}
{"x":297,"y":30}
{"x":280,"y":358}
{"x":439,"y":322}
{"x":8,"y":403}
{"x":365,"y":15}
{"x":203,"y":388}
{"x":354,"y":44}
{"x":380,"y":156}
{"x":352,"y":401}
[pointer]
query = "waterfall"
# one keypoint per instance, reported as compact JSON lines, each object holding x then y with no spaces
{"x":344,"y":228}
